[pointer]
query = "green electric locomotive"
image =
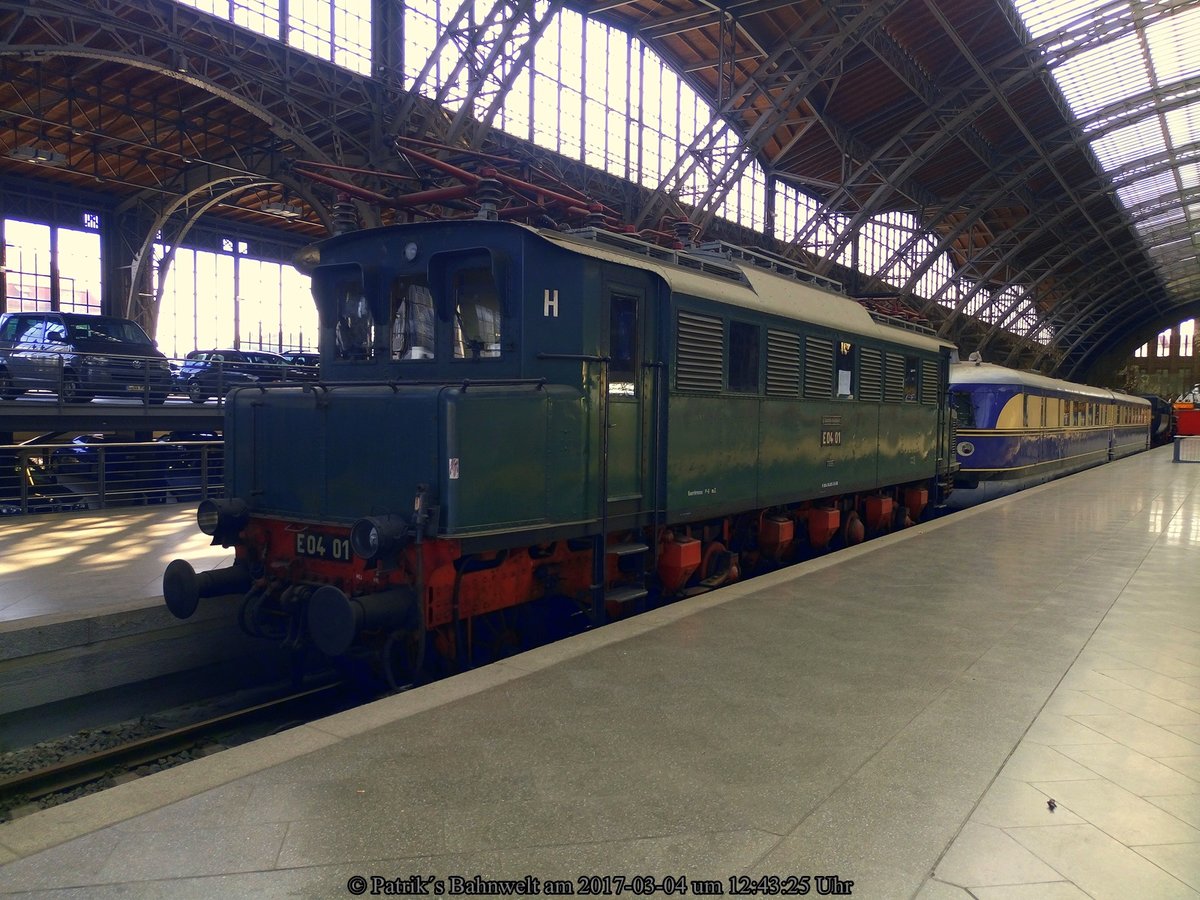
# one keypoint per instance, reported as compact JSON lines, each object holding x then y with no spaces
{"x":506,"y":414}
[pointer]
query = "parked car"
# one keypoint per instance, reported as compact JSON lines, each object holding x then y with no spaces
{"x":41,"y":493}
{"x":96,"y":466}
{"x":194,"y":463}
{"x":79,"y":357}
{"x":212,"y":373}
{"x":304,"y":365}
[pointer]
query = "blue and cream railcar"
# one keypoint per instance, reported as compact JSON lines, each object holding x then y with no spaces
{"x":1017,"y":429}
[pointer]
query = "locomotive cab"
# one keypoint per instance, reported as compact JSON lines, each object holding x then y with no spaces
{"x":416,"y":315}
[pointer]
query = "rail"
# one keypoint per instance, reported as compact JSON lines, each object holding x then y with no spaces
{"x":89,"y":767}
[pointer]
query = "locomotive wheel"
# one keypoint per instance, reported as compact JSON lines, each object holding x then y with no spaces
{"x":853,"y":530}
{"x":495,"y":638}
{"x":403,"y":657}
{"x":248,"y":614}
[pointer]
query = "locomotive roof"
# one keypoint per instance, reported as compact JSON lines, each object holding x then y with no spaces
{"x":760,"y":290}
{"x":969,"y":373}
{"x":709,"y":276}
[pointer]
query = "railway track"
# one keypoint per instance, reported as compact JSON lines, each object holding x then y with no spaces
{"x":38,"y":785}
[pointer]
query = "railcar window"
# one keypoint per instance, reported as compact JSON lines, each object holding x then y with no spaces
{"x":845,"y":370}
{"x":744,"y":340}
{"x":476,"y":315}
{"x":964,"y":407}
{"x":910,"y":379}
{"x":622,"y":346}
{"x":412,"y":320}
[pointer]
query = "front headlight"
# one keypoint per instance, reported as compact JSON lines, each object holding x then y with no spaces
{"x":222,"y":517}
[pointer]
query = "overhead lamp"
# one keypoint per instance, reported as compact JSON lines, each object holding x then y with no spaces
{"x":283,"y":210}
{"x":41,"y":156}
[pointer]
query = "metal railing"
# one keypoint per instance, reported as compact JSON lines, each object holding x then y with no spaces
{"x":94,"y":473}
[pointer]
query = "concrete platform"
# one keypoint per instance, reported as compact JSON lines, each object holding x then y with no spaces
{"x":73,"y":564}
{"x":897,"y":716}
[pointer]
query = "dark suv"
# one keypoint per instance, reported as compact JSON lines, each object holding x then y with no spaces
{"x":79,"y":357}
{"x":212,"y":373}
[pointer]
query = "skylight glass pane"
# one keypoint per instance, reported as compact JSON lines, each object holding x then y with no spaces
{"x":1161,"y":222}
{"x":1146,"y":189}
{"x":1132,"y":142}
{"x":1183,"y":125}
{"x":1044,"y":16}
{"x":1173,"y":42}
{"x":1100,"y":77}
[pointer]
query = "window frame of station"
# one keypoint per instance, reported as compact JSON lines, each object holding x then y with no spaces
{"x":765,"y":326}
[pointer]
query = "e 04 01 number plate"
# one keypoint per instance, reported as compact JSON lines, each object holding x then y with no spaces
{"x":315,"y":545}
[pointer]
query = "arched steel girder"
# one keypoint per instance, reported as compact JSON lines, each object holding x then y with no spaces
{"x":979,"y":206}
{"x":1105,"y":316}
{"x":1078,"y":255}
{"x":707,"y":137}
{"x":193,"y":204}
{"x":861,"y":30}
{"x":480,"y":127}
{"x":252,"y":72}
{"x":1111,"y":119}
{"x":143,"y":306}
{"x":1053,"y":48}
{"x":1139,"y":169}
{"x":785,"y":66}
{"x":496,"y":70}
{"x":995,"y":94}
{"x":1069,"y":43}
{"x":1095,"y":126}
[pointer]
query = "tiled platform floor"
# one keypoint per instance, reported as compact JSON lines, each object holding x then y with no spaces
{"x":1117,"y":747}
{"x":896,"y":715}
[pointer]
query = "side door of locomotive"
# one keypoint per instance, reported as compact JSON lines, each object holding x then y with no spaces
{"x":632,"y":383}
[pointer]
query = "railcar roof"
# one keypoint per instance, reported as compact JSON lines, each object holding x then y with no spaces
{"x":969,"y":373}
{"x":763,"y":291}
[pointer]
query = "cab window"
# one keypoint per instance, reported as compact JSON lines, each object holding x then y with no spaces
{"x":964,"y":407}
{"x":412,"y":320}
{"x":623,"y":346}
{"x":477,"y":313}
{"x":342,"y":294}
